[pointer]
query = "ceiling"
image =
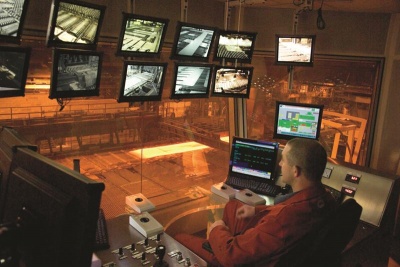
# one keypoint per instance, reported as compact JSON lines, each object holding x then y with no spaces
{"x":369,"y":6}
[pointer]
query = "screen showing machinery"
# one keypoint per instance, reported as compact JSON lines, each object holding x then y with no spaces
{"x":232,"y":82}
{"x":233,"y":45}
{"x":12,"y":14}
{"x":294,"y":50}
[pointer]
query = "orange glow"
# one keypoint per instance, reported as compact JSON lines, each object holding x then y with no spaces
{"x":152,"y":152}
{"x":224,"y":138}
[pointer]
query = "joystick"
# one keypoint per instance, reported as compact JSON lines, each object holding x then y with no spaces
{"x":160,"y":252}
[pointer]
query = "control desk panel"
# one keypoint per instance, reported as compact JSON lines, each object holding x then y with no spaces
{"x":130,"y":248}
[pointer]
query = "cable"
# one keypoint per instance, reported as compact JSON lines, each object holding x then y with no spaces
{"x":320,"y":21}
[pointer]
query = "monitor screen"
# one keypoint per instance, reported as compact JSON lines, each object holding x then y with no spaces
{"x":294,"y":50}
{"x":254,"y":158}
{"x":75,"y":73}
{"x":12,"y":14}
{"x":141,"y":35}
{"x":142,"y":81}
{"x":233,"y":45}
{"x":74,"y":24}
{"x":56,"y":209}
{"x":297,"y":120}
{"x":192,"y":42}
{"x":14,"y":63}
{"x":191,"y":81}
{"x":232,"y":82}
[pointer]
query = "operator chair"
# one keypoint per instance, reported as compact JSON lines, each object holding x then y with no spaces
{"x":324,"y":246}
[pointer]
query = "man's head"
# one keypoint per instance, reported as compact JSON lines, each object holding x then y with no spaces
{"x":303,"y":157}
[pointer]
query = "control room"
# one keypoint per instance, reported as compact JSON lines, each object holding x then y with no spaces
{"x":131,"y":128}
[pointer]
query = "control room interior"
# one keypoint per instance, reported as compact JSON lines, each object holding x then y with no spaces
{"x":173,"y":151}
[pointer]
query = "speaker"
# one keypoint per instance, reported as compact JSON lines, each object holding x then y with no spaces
{"x":145,"y":224}
{"x":249,"y":197}
{"x":139,"y":203}
{"x":223,"y":190}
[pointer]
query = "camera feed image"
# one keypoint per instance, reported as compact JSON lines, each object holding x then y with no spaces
{"x":194,"y":41}
{"x":10,"y":16}
{"x":192,"y":80}
{"x":232,"y":81}
{"x":294,"y":49}
{"x":76,"y":24}
{"x":235,"y":46}
{"x":77,"y":72}
{"x":11,"y":70}
{"x":143,"y":80}
{"x":142,"y":36}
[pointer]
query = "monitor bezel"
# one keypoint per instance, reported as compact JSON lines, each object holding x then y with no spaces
{"x":126,"y":53}
{"x":24,"y":66}
{"x":234,"y":95}
{"x":175,"y":95}
{"x":55,"y":7}
{"x":132,"y":99}
{"x":17,"y":39}
{"x":179,"y":27}
{"x":54,"y":93}
{"x":277,"y":135}
{"x":295,"y":63}
{"x":221,"y":33}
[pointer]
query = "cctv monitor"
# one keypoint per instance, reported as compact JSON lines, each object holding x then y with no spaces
{"x":193,"y":42}
{"x":297,"y":120}
{"x":191,"y":80}
{"x":232,"y":81}
{"x":12,"y":14}
{"x":74,"y":24}
{"x":141,"y":35}
{"x":294,"y":50}
{"x":142,"y":81}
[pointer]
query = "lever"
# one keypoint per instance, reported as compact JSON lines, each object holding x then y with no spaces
{"x":160,"y":252}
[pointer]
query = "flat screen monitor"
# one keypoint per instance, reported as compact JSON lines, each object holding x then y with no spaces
{"x":75,"y":73}
{"x":235,"y":46}
{"x":191,"y":80}
{"x":193,"y":42}
{"x":294,"y":50}
{"x":254,"y":159}
{"x":12,"y":14}
{"x":74,"y":24}
{"x":297,"y":120}
{"x":232,"y":82}
{"x":142,"y":81}
{"x":56,"y":210}
{"x":14,"y":63}
{"x":141,"y":35}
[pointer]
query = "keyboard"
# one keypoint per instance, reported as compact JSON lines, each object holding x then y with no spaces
{"x":255,"y":186}
{"x":101,"y":241}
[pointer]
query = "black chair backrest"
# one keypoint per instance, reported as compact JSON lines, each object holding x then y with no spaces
{"x":324,"y":246}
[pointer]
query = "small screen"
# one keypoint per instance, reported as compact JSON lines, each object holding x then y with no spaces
{"x":294,"y":50}
{"x":232,"y":82}
{"x":254,"y":158}
{"x":233,"y":45}
{"x":297,"y":120}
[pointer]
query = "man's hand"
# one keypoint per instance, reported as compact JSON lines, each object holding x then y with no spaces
{"x":245,"y":211}
{"x":217,"y":223}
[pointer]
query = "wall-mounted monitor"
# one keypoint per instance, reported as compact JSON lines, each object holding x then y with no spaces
{"x":297,"y":120}
{"x":74,"y":24}
{"x":14,"y":63}
{"x":141,"y":35}
{"x":12,"y":14}
{"x":294,"y":49}
{"x":191,"y":80}
{"x":233,"y":45}
{"x":75,"y":73}
{"x":193,"y":42}
{"x":142,"y":81}
{"x":232,"y":82}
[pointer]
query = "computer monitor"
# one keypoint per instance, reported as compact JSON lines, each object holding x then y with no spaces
{"x":142,"y":81}
{"x":297,"y":120}
{"x":75,"y":73}
{"x":294,"y":49}
{"x":12,"y":15}
{"x":232,"y":81}
{"x":141,"y":35}
{"x":53,"y":209}
{"x":14,"y":64}
{"x":191,"y":80}
{"x":74,"y":24}
{"x":254,"y":158}
{"x":193,"y":42}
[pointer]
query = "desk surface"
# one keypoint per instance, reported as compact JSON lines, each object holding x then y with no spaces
{"x":122,"y":236}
